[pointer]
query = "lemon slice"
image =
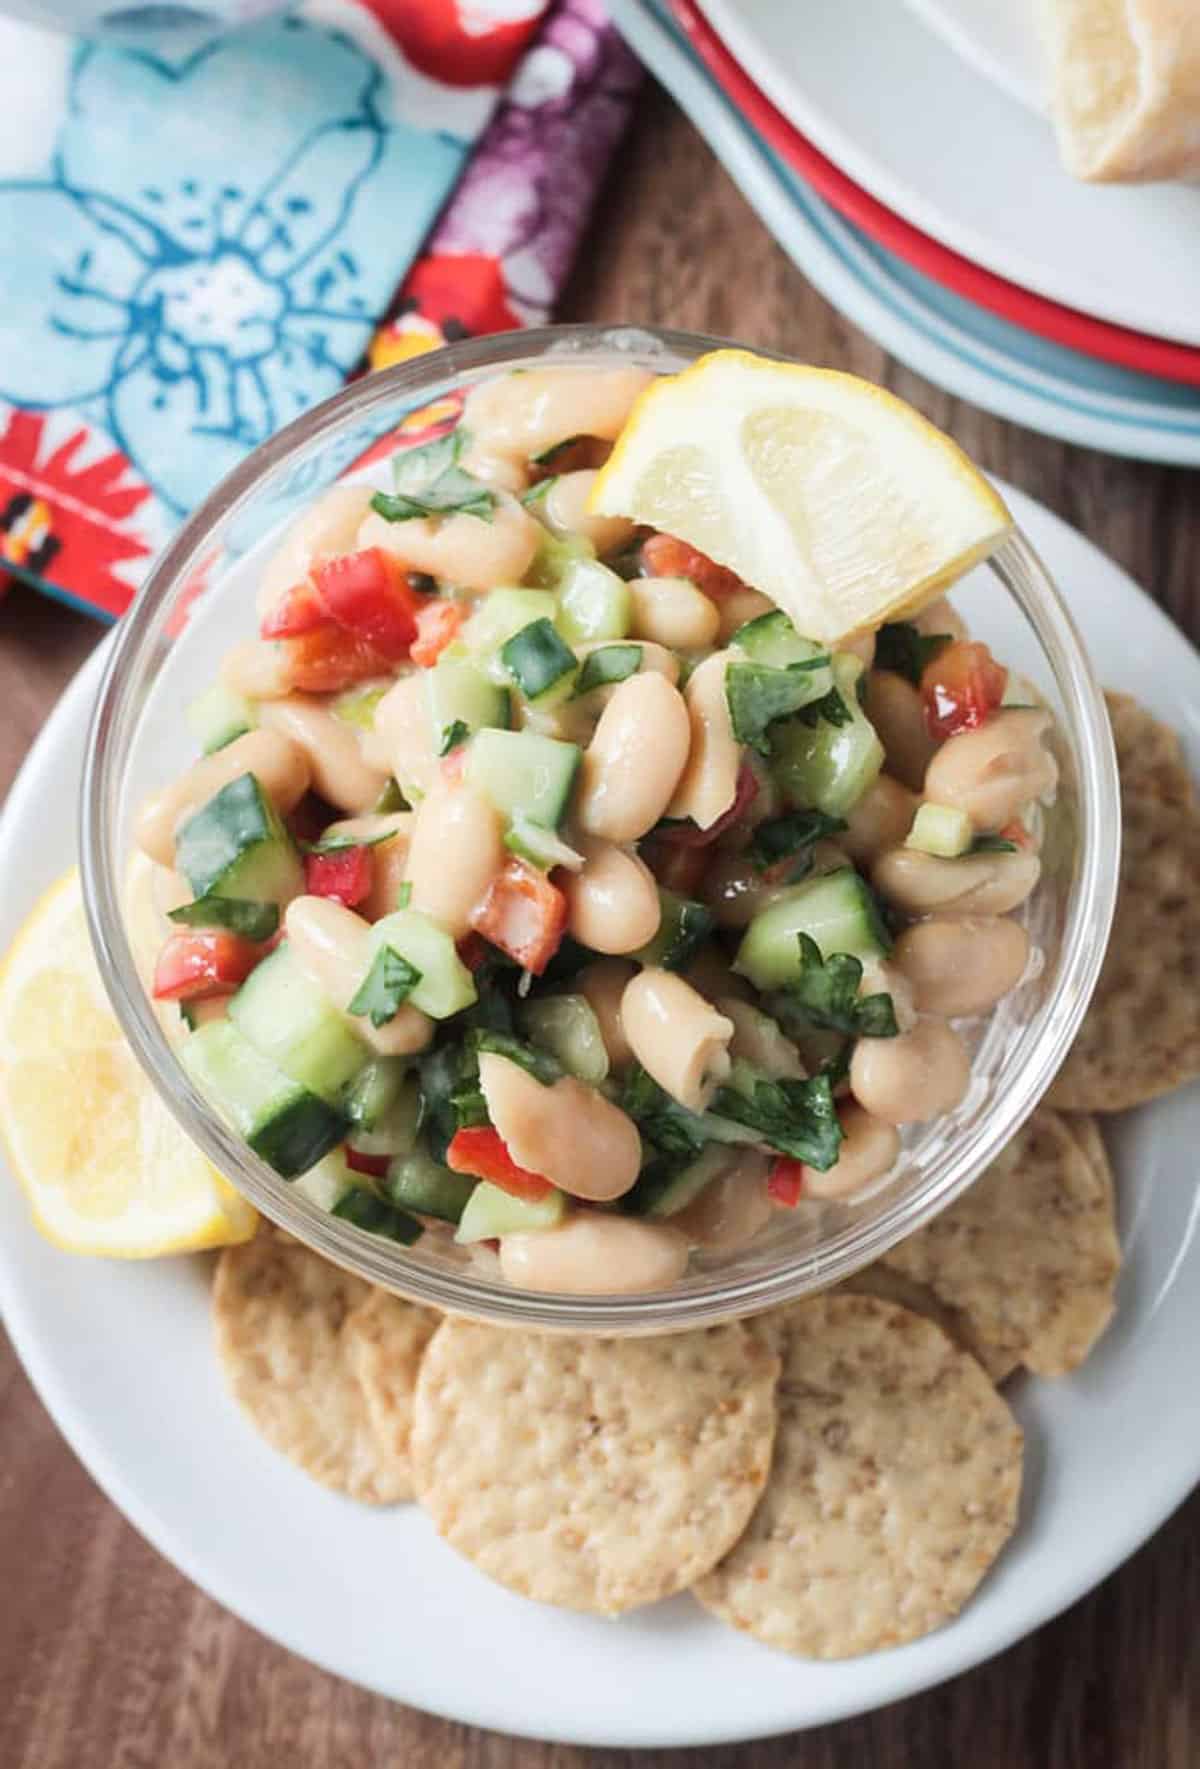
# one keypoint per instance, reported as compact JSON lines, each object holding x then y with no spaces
{"x":833,"y":497}
{"x":105,"y":1166}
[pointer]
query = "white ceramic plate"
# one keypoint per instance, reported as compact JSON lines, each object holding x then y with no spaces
{"x":963,"y":348}
{"x":121,"y":1355}
{"x":997,"y":38}
{"x":906,"y":118}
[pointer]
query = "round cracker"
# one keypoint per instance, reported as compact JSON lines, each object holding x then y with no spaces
{"x":280,"y":1314}
{"x":892,"y":1285}
{"x":1141,"y":1035}
{"x":1027,"y":1260}
{"x":895,"y":1484}
{"x":385,"y":1340}
{"x":596,"y":1474}
{"x":1150,"y":756}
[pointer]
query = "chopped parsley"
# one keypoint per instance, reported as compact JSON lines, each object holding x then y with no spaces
{"x":792,"y":837}
{"x":826,"y":995}
{"x":992,"y":844}
{"x":757,"y":694}
{"x":253,"y":921}
{"x":454,"y":735}
{"x":796,"y":1118}
{"x":386,"y":986}
{"x":430,"y":482}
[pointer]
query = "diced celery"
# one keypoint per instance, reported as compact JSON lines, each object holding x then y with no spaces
{"x":942,"y":830}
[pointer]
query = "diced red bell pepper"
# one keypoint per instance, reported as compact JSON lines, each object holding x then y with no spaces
{"x":785,"y":1181}
{"x":481,"y":1151}
{"x":344,"y":876}
{"x":201,"y":962}
{"x":524,"y":914}
{"x":370,"y":594}
{"x":298,"y":610}
{"x":961,"y":687}
{"x":327,"y":660}
{"x":374,"y":1166}
{"x":438,"y":623}
{"x":664,"y":556}
{"x":689,"y":835}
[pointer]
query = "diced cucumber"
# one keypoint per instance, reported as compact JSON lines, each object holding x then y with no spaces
{"x":357,"y":705}
{"x":683,"y":926}
{"x":519,"y":771}
{"x":490,"y":1212}
{"x":823,"y":766}
{"x":289,"y":1127}
{"x":236,"y":846}
{"x":445,"y":984}
{"x":375,"y":1090}
{"x":499,"y":616}
{"x":942,"y":830}
{"x":370,"y":1213}
{"x":665,"y":1187}
{"x":394,"y":1132}
{"x":541,"y":665}
{"x":566,"y":1026}
{"x":837,"y":910}
{"x":327,"y":1182}
{"x":593,"y":603}
{"x":217,"y":716}
{"x":773,"y":640}
{"x":461,"y":695}
{"x":291,"y":1021}
{"x":608,"y":665}
{"x":417,"y":1182}
{"x":555,"y":557}
{"x":541,"y":847}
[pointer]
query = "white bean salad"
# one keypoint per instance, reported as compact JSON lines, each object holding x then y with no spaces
{"x":542,"y":886}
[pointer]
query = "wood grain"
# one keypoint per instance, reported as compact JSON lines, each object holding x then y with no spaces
{"x":109,"y":1659}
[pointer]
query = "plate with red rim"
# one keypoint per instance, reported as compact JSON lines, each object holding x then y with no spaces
{"x":122,"y":1356}
{"x":914,"y":126}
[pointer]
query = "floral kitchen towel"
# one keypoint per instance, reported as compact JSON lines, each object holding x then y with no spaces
{"x":197,"y":239}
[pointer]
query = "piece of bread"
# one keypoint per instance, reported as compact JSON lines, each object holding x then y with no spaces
{"x":1125,"y":85}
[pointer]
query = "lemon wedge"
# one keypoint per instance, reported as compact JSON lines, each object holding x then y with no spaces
{"x":834,"y":498}
{"x":105,"y":1166}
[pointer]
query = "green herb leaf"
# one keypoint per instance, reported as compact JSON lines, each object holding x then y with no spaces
{"x":661,"y":1120}
{"x":797,"y":1118}
{"x":831,"y":707}
{"x":337,"y":844}
{"x":368,"y":1212}
{"x":538,"y":1063}
{"x":454,"y":735}
{"x":253,"y":921}
{"x":403,"y":895}
{"x":495,"y":990}
{"x":792,"y":837}
{"x":386,"y":986}
{"x":899,"y":646}
{"x":537,"y":492}
{"x":826,"y":995}
{"x":992,"y":844}
{"x":549,"y":455}
{"x":609,"y":663}
{"x":429,"y":482}
{"x":757,"y":694}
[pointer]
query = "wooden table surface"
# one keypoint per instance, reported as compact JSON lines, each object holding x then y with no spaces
{"x":109,"y":1659}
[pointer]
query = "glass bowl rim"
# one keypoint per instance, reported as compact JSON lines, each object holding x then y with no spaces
{"x":1080,"y":954}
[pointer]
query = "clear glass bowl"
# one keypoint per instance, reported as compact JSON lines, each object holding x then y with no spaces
{"x":199,"y":600}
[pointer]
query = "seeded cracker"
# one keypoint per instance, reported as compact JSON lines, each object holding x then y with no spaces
{"x":894,"y":1486}
{"x":1141,"y":1035}
{"x":597,"y":1474}
{"x":1150,"y":756}
{"x":1027,"y":1259}
{"x":280,"y":1315}
{"x":385,"y":1340}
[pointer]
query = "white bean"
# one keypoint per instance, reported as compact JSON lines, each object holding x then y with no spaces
{"x":455,"y":851}
{"x":592,"y":1254}
{"x":897,"y":712}
{"x":758,"y":1039}
{"x":975,"y":884}
{"x":732,"y":1208}
{"x":325,"y":529}
{"x":332,"y":945}
{"x":993,"y":773}
{"x":962,"y":966}
{"x":333,"y":747}
{"x":612,"y":902}
{"x":525,"y":414}
{"x":501,"y":472}
{"x":912,"y":1078}
{"x":257,"y":668}
{"x":568,"y":1132}
{"x":678,"y":1037}
{"x":279,"y":765}
{"x":709,"y":784}
{"x":565,"y":511}
{"x":633,"y":763}
{"x":881,"y":819}
{"x":461,"y":549}
{"x":869,"y":1147}
{"x":673,"y":612}
{"x":603,"y":984}
{"x":739,"y":607}
{"x":401,"y":739}
{"x":388,"y":858}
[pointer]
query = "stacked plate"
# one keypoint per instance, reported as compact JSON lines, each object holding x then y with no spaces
{"x":904,"y":158}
